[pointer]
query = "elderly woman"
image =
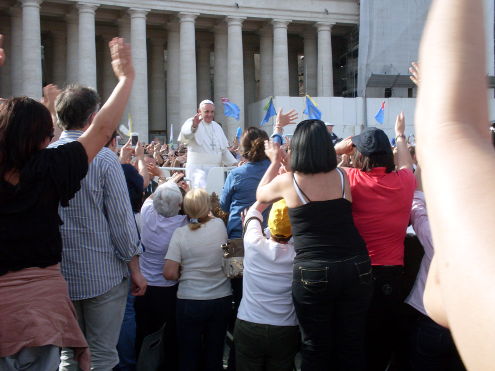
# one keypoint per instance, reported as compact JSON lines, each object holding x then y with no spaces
{"x":204,"y":297}
{"x":36,"y":314}
{"x":159,"y":219}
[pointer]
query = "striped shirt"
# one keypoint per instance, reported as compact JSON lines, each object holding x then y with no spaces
{"x":99,"y":234}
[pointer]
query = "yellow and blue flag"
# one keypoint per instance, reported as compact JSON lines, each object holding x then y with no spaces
{"x":230,"y":109}
{"x":270,"y":111}
{"x":312,"y":109}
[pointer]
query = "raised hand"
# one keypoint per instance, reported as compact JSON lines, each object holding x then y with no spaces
{"x":344,"y":146}
{"x":121,"y":58}
{"x":50,"y":94}
{"x":139,"y":151}
{"x":284,"y":119}
{"x":273,"y":151}
{"x":415,"y":73}
{"x":400,"y":124}
{"x":196,"y":120}
{"x":126,"y":152}
{"x":2,"y":52}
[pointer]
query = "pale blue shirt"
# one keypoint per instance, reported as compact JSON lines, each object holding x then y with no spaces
{"x":99,"y":233}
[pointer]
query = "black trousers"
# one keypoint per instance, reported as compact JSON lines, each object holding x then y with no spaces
{"x":157,"y":306}
{"x":331,"y":298}
{"x":383,"y":324}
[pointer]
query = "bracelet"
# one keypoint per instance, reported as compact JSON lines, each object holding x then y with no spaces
{"x":400,"y":136}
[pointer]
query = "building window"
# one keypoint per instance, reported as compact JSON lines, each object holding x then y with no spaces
{"x":388,"y":92}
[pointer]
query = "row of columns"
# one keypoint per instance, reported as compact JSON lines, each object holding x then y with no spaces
{"x":186,"y":79}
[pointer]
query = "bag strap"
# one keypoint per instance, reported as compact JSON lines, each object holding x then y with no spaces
{"x":244,"y":227}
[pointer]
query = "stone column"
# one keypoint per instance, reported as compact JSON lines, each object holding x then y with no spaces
{"x":235,"y":74}
{"x":293,"y":73}
{"x":59,"y":58}
{"x":124,"y":26}
{"x":173,"y":79}
{"x":310,"y":62}
{"x":187,"y":49}
{"x":203,"y":70}
{"x":87,"y":45}
{"x":280,"y":58}
{"x":109,"y":79}
{"x":220,"y":70}
{"x":31,"y":49}
{"x":72,"y":49}
{"x":266,"y":62}
{"x":157,"y":85}
{"x":139,"y":94}
{"x":325,"y":65}
{"x":249,"y":80}
{"x":16,"y":50}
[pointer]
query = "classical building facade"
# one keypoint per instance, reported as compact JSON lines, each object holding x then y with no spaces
{"x":189,"y":50}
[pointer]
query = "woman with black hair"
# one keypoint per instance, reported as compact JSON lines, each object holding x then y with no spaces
{"x":36,"y":315}
{"x":332,"y":273}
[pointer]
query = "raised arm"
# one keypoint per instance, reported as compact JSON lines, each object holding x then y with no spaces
{"x":458,"y":164}
{"x":50,"y":94}
{"x":404,"y":159}
{"x":2,"y":52}
{"x":107,"y":119}
{"x":270,"y":189}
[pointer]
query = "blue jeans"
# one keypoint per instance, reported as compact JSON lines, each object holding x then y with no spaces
{"x":331,"y":298}
{"x":127,"y":339}
{"x":201,"y":329}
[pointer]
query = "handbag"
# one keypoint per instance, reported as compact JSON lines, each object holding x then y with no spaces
{"x":233,"y":253}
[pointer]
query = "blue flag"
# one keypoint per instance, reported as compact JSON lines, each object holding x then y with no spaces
{"x":380,"y":115}
{"x":270,"y":112}
{"x":230,"y":109}
{"x":238,"y":133}
{"x":311,"y":109}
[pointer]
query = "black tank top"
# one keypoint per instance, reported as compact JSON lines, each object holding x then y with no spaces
{"x":325,"y":229}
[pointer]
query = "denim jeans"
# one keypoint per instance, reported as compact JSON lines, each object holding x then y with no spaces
{"x":43,"y":358}
{"x":383,"y":328}
{"x":126,"y":347}
{"x":432,"y":347}
{"x":261,"y":347}
{"x":100,"y":319}
{"x":331,"y":298}
{"x":201,"y":329}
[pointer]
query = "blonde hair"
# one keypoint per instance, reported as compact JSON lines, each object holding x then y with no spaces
{"x":197,"y":205}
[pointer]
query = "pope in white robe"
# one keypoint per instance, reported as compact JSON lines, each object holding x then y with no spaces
{"x":207,"y":146}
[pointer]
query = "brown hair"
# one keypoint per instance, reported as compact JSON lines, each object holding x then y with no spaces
{"x":24,"y":125}
{"x":197,"y":205}
{"x":252,"y":145}
{"x":74,"y":105}
{"x":366,"y":163}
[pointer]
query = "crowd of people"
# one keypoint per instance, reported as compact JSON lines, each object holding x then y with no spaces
{"x":109,"y":263}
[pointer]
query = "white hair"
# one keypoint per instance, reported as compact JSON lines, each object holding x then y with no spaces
{"x":167,"y":199}
{"x":206,"y":101}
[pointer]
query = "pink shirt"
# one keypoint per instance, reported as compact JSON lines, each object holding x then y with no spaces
{"x":381,"y":205}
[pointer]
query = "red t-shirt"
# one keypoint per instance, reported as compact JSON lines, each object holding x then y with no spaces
{"x":381,"y":206}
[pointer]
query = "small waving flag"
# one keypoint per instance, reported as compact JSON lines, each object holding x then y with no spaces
{"x":171,"y":140}
{"x":312,"y":109}
{"x":380,"y":115}
{"x":230,"y":109}
{"x":270,"y":111}
{"x":238,"y":133}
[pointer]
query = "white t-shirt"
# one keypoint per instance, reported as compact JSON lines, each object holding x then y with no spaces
{"x":200,"y":256}
{"x":267,"y":280}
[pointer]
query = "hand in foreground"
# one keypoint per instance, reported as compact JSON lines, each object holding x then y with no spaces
{"x":415,"y":73}
{"x":176,"y":177}
{"x":2,"y":52}
{"x":121,"y":58}
{"x":139,"y":151}
{"x":273,"y":152}
{"x":284,"y":119}
{"x":138,"y":284}
{"x":50,"y":94}
{"x":153,"y":170}
{"x":126,"y":152}
{"x":400,"y":124}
